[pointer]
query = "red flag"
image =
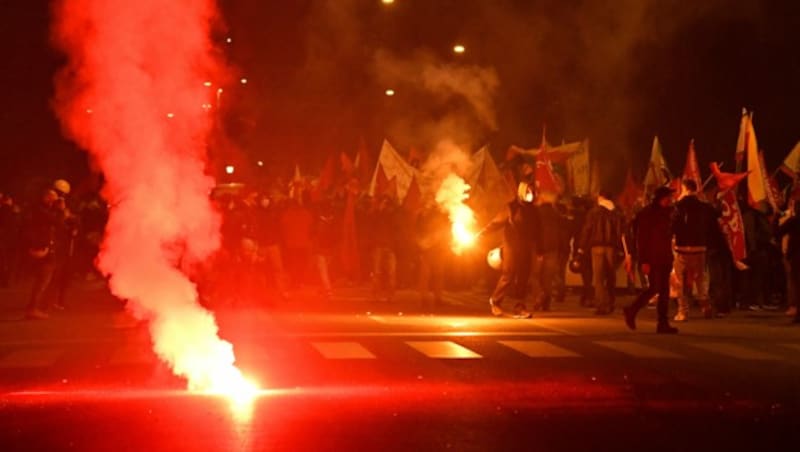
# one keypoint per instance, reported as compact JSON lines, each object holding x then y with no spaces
{"x":546,"y":179}
{"x":732,"y":226}
{"x":726,"y":181}
{"x":692,"y":170}
{"x":347,"y":165}
{"x":327,"y":174}
{"x":363,"y":163}
{"x":630,"y":195}
{"x":413,"y":202}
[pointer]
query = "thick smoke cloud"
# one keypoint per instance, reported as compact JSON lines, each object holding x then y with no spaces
{"x":131,"y":95}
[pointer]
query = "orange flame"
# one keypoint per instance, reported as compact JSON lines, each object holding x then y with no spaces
{"x":450,"y":197}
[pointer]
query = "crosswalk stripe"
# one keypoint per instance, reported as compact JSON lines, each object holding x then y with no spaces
{"x":443,"y":349}
{"x":736,"y":351}
{"x":540,"y":349}
{"x":638,"y":350}
{"x":30,"y":358}
{"x":342,"y":350}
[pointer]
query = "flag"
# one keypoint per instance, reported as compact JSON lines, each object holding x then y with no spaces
{"x":692,"y":170}
{"x":756,"y":179}
{"x":631,"y":194}
{"x":770,"y":194}
{"x":327,"y":175}
{"x":741,"y":140}
{"x":791,"y":164}
{"x":413,"y":202}
{"x":393,"y":165}
{"x":545,"y":179}
{"x":362,"y":163}
{"x":657,"y":174}
{"x":731,"y":224}
{"x":347,"y":165}
{"x":725,"y":181}
{"x":578,"y":171}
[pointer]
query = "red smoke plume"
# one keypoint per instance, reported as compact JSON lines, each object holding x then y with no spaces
{"x":132,"y":94}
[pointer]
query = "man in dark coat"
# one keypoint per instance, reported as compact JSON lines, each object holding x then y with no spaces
{"x":517,"y":222}
{"x":790,"y":228}
{"x":654,"y":244}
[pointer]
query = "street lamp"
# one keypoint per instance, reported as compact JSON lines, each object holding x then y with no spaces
{"x":260,"y":163}
{"x":458,"y":48}
{"x":387,"y":2}
{"x":390,"y":92}
{"x":244,"y":81}
{"x":229,"y":169}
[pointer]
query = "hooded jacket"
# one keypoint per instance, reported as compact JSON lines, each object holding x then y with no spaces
{"x":603,"y":227}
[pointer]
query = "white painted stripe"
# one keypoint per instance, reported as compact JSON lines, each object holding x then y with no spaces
{"x":638,"y":350}
{"x":343,"y":350}
{"x":540,"y":349}
{"x":736,"y":351}
{"x":131,"y":355}
{"x":443,"y":349}
{"x":378,"y":319}
{"x":30,"y":358}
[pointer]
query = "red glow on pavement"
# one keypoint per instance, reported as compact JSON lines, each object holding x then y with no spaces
{"x":140,"y":66}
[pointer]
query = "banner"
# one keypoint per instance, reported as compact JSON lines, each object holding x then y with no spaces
{"x":658,"y":175}
{"x":578,"y":170}
{"x":394,"y":166}
{"x":732,"y":225}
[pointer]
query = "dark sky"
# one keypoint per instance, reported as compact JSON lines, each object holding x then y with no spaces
{"x":617,"y":72}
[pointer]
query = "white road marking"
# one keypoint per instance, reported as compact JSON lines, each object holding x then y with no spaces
{"x":443,"y":349}
{"x":343,"y":350}
{"x":540,"y":349}
{"x":736,"y":351}
{"x":638,"y":350}
{"x":30,"y":358}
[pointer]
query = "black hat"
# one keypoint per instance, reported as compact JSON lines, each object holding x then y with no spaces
{"x":662,"y":192}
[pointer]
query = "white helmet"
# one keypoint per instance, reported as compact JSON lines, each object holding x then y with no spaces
{"x":495,"y":258}
{"x":62,"y":186}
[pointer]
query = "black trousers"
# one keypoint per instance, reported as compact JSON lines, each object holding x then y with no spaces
{"x":658,"y":284}
{"x":720,"y":281}
{"x":516,"y":271}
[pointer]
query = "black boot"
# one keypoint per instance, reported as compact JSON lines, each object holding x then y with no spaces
{"x":630,"y":316}
{"x":665,"y":328}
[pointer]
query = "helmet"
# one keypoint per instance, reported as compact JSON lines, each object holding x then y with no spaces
{"x":495,"y":258}
{"x":61,"y":186}
{"x":575,"y":265}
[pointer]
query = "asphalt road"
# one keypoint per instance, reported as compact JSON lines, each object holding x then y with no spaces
{"x":351,"y":374}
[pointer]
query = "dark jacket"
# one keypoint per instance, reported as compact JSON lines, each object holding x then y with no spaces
{"x":518,"y":223}
{"x":693,"y":222}
{"x":654,"y":235}
{"x":44,"y":229}
{"x":549,"y":229}
{"x":792,"y":228}
{"x":602,"y":227}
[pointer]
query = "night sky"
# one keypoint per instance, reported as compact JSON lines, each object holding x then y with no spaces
{"x":617,"y":72}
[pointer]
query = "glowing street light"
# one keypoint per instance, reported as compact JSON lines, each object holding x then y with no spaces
{"x":229,"y":169}
{"x":170,"y":115}
{"x":244,"y":81}
{"x":390,"y":92}
{"x":229,"y":40}
{"x":260,"y":163}
{"x":387,"y":2}
{"x":208,"y":84}
{"x":458,"y":48}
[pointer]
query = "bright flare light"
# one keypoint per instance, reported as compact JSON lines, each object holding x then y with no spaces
{"x":450,"y":197}
{"x":387,"y":2}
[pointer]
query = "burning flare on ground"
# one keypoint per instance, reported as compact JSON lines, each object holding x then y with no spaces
{"x":450,"y":197}
{"x":139,"y":67}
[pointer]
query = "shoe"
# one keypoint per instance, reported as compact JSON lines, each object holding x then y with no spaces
{"x":792,"y":311}
{"x":630,"y":317}
{"x":36,"y":314}
{"x":665,"y":328}
{"x":681,"y":317}
{"x":520,"y":312}
{"x":497,"y":311}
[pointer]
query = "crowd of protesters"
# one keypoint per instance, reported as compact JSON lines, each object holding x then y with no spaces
{"x":288,"y":235}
